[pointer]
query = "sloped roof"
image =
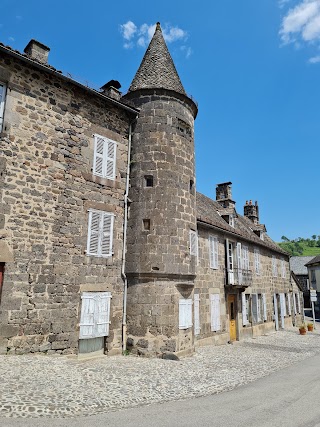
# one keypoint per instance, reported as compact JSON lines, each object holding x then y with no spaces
{"x":157,"y":70}
{"x":209,"y":213}
{"x":297,"y":264}
{"x":315,"y":260}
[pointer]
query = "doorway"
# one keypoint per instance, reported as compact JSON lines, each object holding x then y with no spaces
{"x":232,"y":309}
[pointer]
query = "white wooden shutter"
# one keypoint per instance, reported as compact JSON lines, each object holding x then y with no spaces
{"x":254,"y":302}
{"x":98,"y":159}
{"x":110,"y":159}
{"x":283,"y":269}
{"x":283,"y":304}
{"x":185,"y":313}
{"x":213,"y":243}
{"x":264,"y":303}
{"x":93,"y":233}
{"x":274,"y":266}
{"x":215,"y":312}
{"x":87,"y":321}
{"x":259,"y":307}
{"x":2,"y":101}
{"x":245,"y":257}
{"x":257,"y":260}
{"x":102,"y":301}
{"x":289,"y":304}
{"x":239,"y":259}
{"x":196,"y":314}
{"x":244,"y":309}
{"x":229,"y":262}
{"x":275,"y":305}
{"x":106,"y":234}
{"x":298,"y":299}
{"x":294,"y":304}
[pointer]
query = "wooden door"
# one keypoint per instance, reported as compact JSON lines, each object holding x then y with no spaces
{"x":232,"y":309}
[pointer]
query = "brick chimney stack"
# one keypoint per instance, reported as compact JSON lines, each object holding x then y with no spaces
{"x":251,"y":211}
{"x":224,"y":195}
{"x":37,"y":51}
{"x":111,"y":89}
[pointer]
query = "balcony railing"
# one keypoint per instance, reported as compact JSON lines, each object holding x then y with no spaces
{"x":238,"y":277}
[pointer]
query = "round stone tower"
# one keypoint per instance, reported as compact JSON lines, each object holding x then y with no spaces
{"x":162,"y":217}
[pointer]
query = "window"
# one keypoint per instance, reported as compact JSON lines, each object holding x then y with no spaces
{"x":100,"y":232}
{"x":274,"y":266}
{"x":197,"y":314}
{"x":213,"y":244}
{"x":148,"y":181}
{"x":215,"y":312}
{"x":185,"y":313}
{"x":254,"y":301}
{"x":283,"y":269}
{"x":313,"y":278}
{"x":193,"y":243}
{"x":95,"y":314}
{"x":231,"y":220}
{"x":257,"y":261}
{"x":245,"y":308}
{"x":230,"y":262}
{"x":245,"y":257}
{"x":104,"y":161}
{"x":146,"y":224}
{"x":2,"y":101}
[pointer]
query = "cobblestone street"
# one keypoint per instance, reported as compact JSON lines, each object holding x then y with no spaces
{"x":60,"y":386}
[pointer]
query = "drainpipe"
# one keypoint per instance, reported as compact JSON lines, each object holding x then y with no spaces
{"x":124,"y":248}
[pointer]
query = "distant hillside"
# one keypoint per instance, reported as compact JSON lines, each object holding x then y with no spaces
{"x":301,"y":246}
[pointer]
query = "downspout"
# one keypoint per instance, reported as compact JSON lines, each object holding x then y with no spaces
{"x":124,"y":248}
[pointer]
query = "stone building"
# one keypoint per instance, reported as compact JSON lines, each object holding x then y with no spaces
{"x":105,"y":245}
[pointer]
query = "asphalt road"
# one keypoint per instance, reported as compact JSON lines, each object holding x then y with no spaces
{"x":287,"y":398}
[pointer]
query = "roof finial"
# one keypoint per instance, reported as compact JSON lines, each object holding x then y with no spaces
{"x":158,"y":27}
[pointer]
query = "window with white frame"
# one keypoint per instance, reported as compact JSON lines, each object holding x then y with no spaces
{"x":95,"y":314}
{"x":193,"y":243}
{"x":215,"y":312}
{"x":185,"y":313}
{"x":245,"y":257}
{"x":104,"y":160}
{"x":100,"y":233}
{"x":257,"y":261}
{"x":213,"y":244}
{"x":274,"y":266}
{"x":2,"y":102}
{"x":283,"y":269}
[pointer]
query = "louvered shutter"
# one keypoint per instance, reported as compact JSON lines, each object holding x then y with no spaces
{"x":102,"y":313}
{"x":2,"y":100}
{"x":259,"y":307}
{"x":275,"y":305}
{"x":254,"y":301}
{"x":239,"y":263}
{"x":196,"y":314}
{"x":282,"y":309}
{"x":294,"y":304}
{"x":264,"y":303}
{"x":274,"y":266}
{"x":229,"y":262}
{"x":110,"y":159}
{"x":106,"y":234}
{"x":283,"y":304}
{"x":244,"y":309}
{"x":298,"y":299}
{"x":98,"y":159}
{"x":215,"y":312}
{"x":87,"y":321}
{"x":213,"y":243}
{"x":189,"y":313}
{"x":289,"y":304}
{"x":93,"y":233}
{"x":283,"y":269}
{"x":245,"y":258}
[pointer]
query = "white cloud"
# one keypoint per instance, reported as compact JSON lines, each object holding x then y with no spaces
{"x":128,"y":30}
{"x":314,"y":59}
{"x":141,"y":36}
{"x":282,"y":3}
{"x":187,"y":51}
{"x":12,"y":39}
{"x":302,"y":21}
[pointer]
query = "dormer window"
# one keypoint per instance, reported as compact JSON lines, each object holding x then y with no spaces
{"x":231,"y":220}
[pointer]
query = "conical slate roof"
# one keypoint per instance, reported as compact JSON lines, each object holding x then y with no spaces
{"x":157,"y":69}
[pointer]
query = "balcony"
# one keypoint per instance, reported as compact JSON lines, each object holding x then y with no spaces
{"x":238,"y":278}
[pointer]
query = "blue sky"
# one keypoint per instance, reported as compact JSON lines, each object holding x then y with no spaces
{"x":253,"y":66}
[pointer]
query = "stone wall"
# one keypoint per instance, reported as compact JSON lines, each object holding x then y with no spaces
{"x":48,"y":187}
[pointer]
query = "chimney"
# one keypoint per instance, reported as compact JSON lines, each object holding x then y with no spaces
{"x":224,"y":195}
{"x":37,"y":51}
{"x":252,"y":211}
{"x":111,"y":89}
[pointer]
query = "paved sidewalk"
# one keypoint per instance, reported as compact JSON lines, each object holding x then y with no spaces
{"x":60,"y":386}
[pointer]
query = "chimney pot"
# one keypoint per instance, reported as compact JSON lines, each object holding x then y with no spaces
{"x":37,"y":51}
